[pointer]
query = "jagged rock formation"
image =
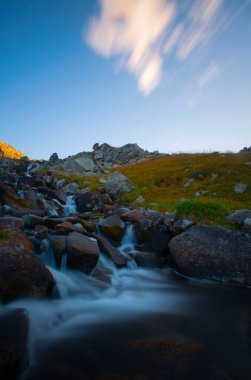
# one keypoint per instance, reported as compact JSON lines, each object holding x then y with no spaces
{"x":103,"y":156}
{"x":8,"y":151}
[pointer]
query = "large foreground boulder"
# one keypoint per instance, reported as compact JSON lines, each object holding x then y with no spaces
{"x":14,"y":338}
{"x":22,"y":273}
{"x":82,"y":252}
{"x":213,"y":252}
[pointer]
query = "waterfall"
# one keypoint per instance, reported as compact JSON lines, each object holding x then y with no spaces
{"x":128,"y":242}
{"x":70,"y":206}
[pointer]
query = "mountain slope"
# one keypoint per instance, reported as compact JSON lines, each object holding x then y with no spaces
{"x":8,"y":151}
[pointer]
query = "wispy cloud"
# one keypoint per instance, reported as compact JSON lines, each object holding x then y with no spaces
{"x":143,"y":33}
{"x":211,"y":72}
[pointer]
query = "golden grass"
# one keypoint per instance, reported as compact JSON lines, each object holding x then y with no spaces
{"x":161,"y":181}
{"x":8,"y":151}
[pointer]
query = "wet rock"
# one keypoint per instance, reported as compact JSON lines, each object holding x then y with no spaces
{"x":58,"y":243}
{"x":51,"y":222}
{"x":14,"y":348}
{"x":143,"y":230}
{"x":66,"y":227}
{"x":30,"y":221}
{"x":41,"y":232}
{"x":240,"y":188}
{"x":112,"y":226}
{"x":132,"y":216}
{"x":21,"y":211}
{"x":148,"y":260}
{"x":214,"y":253}
{"x":87,"y":202}
{"x":159,"y":238}
{"x":117,"y":185}
{"x":238,"y":216}
{"x":118,"y":259}
{"x":22,"y":273}
{"x":34,"y":200}
{"x":10,"y":221}
{"x":83,"y":252}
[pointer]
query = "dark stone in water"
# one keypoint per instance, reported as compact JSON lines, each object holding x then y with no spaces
{"x":14,"y":334}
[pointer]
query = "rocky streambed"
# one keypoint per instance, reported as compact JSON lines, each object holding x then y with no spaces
{"x":92,"y":289}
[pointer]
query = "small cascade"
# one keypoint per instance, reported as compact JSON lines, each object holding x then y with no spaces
{"x":128,"y":242}
{"x":50,"y":210}
{"x":64,"y":263}
{"x":47,"y":253}
{"x":27,"y":173}
{"x":70,"y":206}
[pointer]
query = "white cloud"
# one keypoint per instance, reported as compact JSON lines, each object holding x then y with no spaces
{"x":133,"y":28}
{"x":142,"y":34}
{"x":211,"y":72}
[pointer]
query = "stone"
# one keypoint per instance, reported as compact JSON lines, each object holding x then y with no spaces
{"x":117,"y":185}
{"x":140,"y":199}
{"x":22,"y":273}
{"x":58,"y":243}
{"x":117,"y":258}
{"x":41,"y":232}
{"x":87,"y":202}
{"x":238,"y":216}
{"x":102,"y":180}
{"x":14,"y":338}
{"x":247,"y":225}
{"x":148,"y":260}
{"x":66,"y":227}
{"x":181,"y":225}
{"x":121,"y":210}
{"x":82,"y":252}
{"x":112,"y":226}
{"x":11,"y":221}
{"x":30,"y":221}
{"x":70,"y":189}
{"x":132,"y":216}
{"x":79,"y":164}
{"x":240,"y":188}
{"x":160,"y":237}
{"x":53,"y":158}
{"x":248,"y":163}
{"x":213,"y":252}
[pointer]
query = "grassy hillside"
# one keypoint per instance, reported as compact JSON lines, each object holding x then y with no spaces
{"x":195,"y":184}
{"x":9,"y":151}
{"x":200,"y":186}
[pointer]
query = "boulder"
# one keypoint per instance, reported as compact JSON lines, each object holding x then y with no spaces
{"x":247,"y":225}
{"x":11,"y":221}
{"x":30,"y":221}
{"x":22,"y":273}
{"x":181,"y":225}
{"x":87,"y":202}
{"x":240,"y":188}
{"x":41,"y":232}
{"x":79,"y":164}
{"x":213,"y":252}
{"x":82,"y":251}
{"x":112,"y":226}
{"x":132,"y":216}
{"x":121,"y":210}
{"x":66,"y":227}
{"x":14,"y":338}
{"x":70,"y":189}
{"x":117,"y":185}
{"x":159,"y":238}
{"x":117,"y":258}
{"x":58,"y":243}
{"x":53,"y":158}
{"x":238,"y":216}
{"x":148,"y":260}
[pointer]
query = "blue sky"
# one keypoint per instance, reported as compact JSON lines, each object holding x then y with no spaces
{"x":170,"y":75}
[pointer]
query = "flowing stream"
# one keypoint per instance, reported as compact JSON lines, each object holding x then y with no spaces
{"x":149,"y":324}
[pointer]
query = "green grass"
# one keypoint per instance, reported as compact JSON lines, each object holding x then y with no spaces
{"x":4,"y":236}
{"x":208,"y":212}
